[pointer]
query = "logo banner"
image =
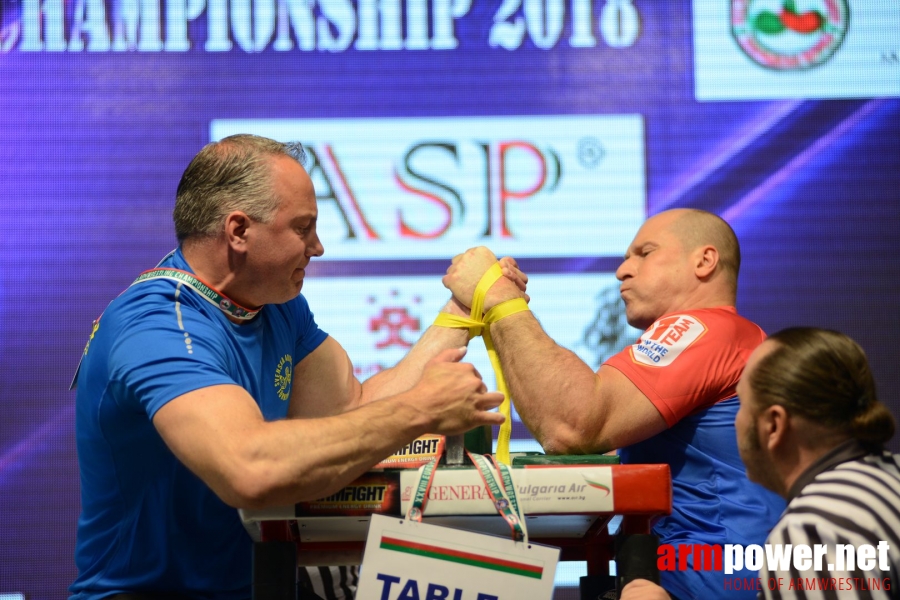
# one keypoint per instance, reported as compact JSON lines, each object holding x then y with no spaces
{"x":432,"y":187}
{"x":773,"y":49}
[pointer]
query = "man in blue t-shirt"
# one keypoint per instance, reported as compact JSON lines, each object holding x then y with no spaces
{"x":207,"y":386}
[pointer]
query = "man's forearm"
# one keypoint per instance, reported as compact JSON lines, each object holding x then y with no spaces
{"x":552,"y":388}
{"x":221,"y":435}
{"x":336,"y":450}
{"x":405,"y":373}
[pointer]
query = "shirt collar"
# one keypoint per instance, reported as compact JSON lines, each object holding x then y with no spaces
{"x":843,"y":452}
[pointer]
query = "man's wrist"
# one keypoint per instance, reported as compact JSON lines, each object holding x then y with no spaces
{"x":455,"y":307}
{"x":500,"y":292}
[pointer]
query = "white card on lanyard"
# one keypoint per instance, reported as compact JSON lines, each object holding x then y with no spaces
{"x":406,"y":559}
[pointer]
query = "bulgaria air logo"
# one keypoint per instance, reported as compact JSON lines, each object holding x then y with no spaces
{"x":789,"y":34}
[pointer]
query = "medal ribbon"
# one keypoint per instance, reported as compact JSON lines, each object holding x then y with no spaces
{"x":478,"y":325}
{"x":423,"y":485}
{"x":206,"y":292}
{"x":504,"y":498}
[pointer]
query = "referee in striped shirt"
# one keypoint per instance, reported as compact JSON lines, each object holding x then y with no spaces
{"x":811,"y":428}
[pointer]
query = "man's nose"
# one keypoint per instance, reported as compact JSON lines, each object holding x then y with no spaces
{"x":316,"y":248}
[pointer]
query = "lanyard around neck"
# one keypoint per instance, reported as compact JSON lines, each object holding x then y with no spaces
{"x":223,"y":303}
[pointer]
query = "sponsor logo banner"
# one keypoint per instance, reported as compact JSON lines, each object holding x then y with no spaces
{"x":414,"y":454}
{"x":665,"y":340}
{"x":430,"y":188}
{"x":540,"y":490}
{"x":770,"y":49}
{"x":370,"y":493}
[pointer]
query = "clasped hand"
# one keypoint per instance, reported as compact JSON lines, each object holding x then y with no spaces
{"x":467,"y":269}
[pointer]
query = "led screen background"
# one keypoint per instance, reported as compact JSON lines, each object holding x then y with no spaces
{"x":95,"y":140}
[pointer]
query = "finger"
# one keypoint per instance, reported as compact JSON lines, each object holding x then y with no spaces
{"x":510,"y":262}
{"x":519,"y":274}
{"x":478,"y":382}
{"x":515,"y":278}
{"x":488,"y":400}
{"x":491,"y":418}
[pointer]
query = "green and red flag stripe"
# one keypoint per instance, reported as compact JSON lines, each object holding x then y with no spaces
{"x":465,"y":558}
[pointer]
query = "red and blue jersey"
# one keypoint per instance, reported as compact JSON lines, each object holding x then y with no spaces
{"x":688,"y":365}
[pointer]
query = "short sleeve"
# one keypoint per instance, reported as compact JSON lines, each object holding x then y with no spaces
{"x":689,"y":361}
{"x":309,"y":336}
{"x":164,"y":354}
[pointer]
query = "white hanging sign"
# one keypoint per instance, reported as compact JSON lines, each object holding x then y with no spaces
{"x":406,"y":560}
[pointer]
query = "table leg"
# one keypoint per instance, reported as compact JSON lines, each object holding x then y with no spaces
{"x":274,"y":571}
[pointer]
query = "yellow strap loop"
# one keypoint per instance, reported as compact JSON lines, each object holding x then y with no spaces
{"x":478,"y":325}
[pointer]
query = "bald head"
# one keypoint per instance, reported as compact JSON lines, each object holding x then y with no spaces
{"x":680,"y":259}
{"x":696,"y":228}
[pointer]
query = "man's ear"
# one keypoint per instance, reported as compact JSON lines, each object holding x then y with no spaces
{"x":706,"y":258}
{"x":237,"y":224}
{"x":774,"y":427}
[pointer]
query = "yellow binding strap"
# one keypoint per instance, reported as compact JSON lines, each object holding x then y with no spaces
{"x":478,"y":325}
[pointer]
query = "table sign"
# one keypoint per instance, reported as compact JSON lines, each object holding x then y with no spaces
{"x":407,"y":560}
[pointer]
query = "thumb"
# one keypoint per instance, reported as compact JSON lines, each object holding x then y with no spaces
{"x":452,"y":355}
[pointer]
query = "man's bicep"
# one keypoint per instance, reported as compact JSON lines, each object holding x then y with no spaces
{"x":324,"y":383}
{"x":629,"y":416}
{"x":201,"y":428}
{"x":609,"y":414}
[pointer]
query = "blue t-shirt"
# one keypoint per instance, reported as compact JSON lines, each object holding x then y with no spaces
{"x":715,"y":502}
{"x":147,"y":522}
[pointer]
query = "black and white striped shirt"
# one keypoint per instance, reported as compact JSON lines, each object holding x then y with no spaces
{"x":847,"y":497}
{"x":327,"y":583}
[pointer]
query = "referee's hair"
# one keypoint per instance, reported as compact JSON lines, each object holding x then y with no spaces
{"x":824,"y":377}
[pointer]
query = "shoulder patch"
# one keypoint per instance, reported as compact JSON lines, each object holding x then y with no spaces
{"x":666,"y":339}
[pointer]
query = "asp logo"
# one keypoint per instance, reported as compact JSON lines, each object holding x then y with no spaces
{"x":422,"y":188}
{"x":436,"y":177}
{"x":666,"y":339}
{"x":780,"y":35}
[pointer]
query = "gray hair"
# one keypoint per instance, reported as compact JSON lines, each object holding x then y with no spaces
{"x":232,"y":174}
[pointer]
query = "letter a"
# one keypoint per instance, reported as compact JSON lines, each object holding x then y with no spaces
{"x":666,"y":560}
{"x":410,"y":591}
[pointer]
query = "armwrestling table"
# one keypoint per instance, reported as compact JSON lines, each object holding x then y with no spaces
{"x":332,"y":531}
